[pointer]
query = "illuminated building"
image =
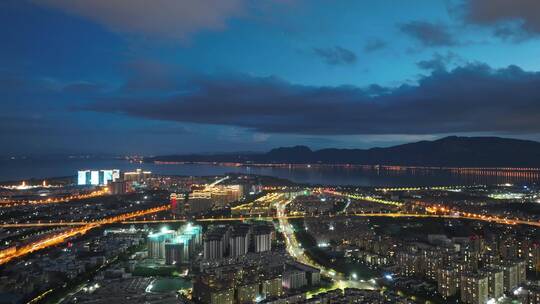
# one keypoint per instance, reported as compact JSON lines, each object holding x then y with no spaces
{"x":272,"y":287}
{"x":533,"y":294}
{"x":174,"y":203}
{"x":514,"y":274}
{"x":294,"y":279}
{"x":138,"y":176}
{"x":198,"y":202}
{"x":97,"y":177}
{"x":448,"y":282}
{"x":247,"y":293}
{"x":82,"y":177}
{"x":495,"y":282}
{"x":156,"y":243}
{"x":118,"y":188}
{"x":175,"y":247}
{"x":216,"y":196}
{"x":212,"y":290}
{"x":474,"y":288}
{"x":94,"y":178}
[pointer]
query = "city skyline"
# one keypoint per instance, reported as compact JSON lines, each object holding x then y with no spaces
{"x":221,"y":76}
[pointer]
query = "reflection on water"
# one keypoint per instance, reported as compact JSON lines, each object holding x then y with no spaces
{"x":338,"y":175}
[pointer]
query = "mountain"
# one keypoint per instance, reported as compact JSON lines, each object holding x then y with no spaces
{"x":452,"y":151}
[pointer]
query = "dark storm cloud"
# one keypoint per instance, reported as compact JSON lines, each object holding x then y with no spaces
{"x":375,"y":45}
{"x":336,"y":55}
{"x":514,"y":20}
{"x":429,"y":34}
{"x":473,"y":98}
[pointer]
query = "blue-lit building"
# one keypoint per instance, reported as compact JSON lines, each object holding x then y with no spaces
{"x":175,"y":247}
{"x":97,"y":177}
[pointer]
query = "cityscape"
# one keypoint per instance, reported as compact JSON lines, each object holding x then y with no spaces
{"x":147,"y":238}
{"x":272,"y":152}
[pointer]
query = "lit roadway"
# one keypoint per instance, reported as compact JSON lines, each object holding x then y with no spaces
{"x":58,"y":238}
{"x":64,"y":199}
{"x":219,"y":219}
{"x":295,"y":250}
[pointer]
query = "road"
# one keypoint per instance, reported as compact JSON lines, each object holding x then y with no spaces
{"x":464,"y":216}
{"x":294,"y":248}
{"x":65,"y":199}
{"x":58,"y":238}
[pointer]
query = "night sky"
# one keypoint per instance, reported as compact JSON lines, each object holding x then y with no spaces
{"x":179,"y":76}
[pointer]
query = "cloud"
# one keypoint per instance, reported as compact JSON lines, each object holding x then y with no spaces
{"x":516,"y":19}
{"x":512,"y":33}
{"x":336,"y":55}
{"x":437,"y":62}
{"x":374,"y":45}
{"x":176,"y":19}
{"x":471,"y":98}
{"x":429,"y":34}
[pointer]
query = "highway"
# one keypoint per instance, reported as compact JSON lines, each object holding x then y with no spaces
{"x":58,"y":238}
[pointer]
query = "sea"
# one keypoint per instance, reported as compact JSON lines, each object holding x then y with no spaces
{"x":25,"y":169}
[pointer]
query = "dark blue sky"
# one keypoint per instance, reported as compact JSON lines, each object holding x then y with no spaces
{"x":166,"y":76}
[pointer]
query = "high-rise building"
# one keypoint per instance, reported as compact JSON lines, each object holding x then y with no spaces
{"x":213,"y":247}
{"x":94,"y":178}
{"x":533,"y":294}
{"x":82,"y":177}
{"x":247,"y":293}
{"x":118,"y":187}
{"x":174,"y":253}
{"x":262,"y":237}
{"x":272,"y":287}
{"x":175,"y":246}
{"x":239,"y":243}
{"x":97,"y":177}
{"x":514,"y":274}
{"x":156,"y":243}
{"x":198,"y":202}
{"x":474,"y":288}
{"x":495,"y":281}
{"x":138,"y":176}
{"x":448,"y":282}
{"x":211,"y":290}
{"x":294,"y":279}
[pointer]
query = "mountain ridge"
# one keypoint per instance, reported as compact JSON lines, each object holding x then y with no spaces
{"x":451,"y":151}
